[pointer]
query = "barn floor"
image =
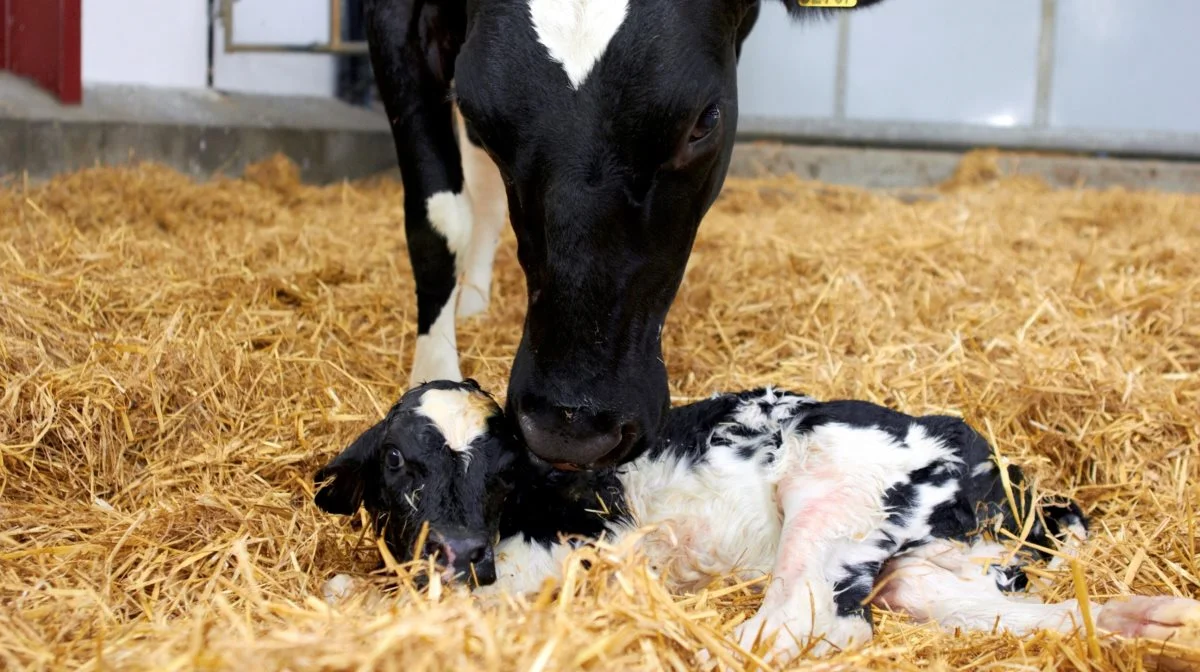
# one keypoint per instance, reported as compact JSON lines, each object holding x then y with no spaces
{"x":177,"y":358}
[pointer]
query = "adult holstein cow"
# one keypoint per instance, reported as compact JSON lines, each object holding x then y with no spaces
{"x":608,"y":125}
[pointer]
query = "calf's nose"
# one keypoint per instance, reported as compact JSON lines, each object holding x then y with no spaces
{"x":574,"y":437}
{"x":467,"y":554}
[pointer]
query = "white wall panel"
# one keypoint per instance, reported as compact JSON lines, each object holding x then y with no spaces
{"x":964,"y":61}
{"x":145,"y":42}
{"x":1127,"y":65}
{"x":787,"y":69}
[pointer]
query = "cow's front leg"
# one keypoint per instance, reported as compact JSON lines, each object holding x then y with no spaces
{"x":825,"y":516}
{"x":413,"y":47}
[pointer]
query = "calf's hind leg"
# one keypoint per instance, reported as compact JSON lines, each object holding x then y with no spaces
{"x":942,"y":583}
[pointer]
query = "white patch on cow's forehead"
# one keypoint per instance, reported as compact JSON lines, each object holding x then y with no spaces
{"x":460,"y":415}
{"x":576,"y":32}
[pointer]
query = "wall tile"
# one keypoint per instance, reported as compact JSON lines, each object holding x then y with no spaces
{"x":966,"y":61}
{"x":1127,"y":65}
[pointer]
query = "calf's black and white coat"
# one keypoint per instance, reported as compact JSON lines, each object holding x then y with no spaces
{"x":833,"y":500}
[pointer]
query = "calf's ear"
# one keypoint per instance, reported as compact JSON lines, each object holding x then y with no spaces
{"x":353,"y":472}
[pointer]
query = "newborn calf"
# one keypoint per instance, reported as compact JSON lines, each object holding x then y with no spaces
{"x":833,"y":500}
{"x":439,"y":457}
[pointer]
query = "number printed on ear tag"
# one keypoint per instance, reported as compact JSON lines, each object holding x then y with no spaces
{"x":827,"y":3}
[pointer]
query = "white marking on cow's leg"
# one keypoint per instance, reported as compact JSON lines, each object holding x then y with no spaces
{"x":436,"y":355}
{"x":947,"y":583}
{"x":577,"y":32}
{"x":489,"y":205}
{"x":450,"y":215}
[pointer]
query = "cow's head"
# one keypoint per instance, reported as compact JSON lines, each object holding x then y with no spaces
{"x":440,"y":457}
{"x":612,"y":123}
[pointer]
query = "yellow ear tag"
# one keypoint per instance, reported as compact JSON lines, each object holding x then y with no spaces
{"x":827,"y":3}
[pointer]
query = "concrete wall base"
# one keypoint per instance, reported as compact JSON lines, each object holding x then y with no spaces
{"x":205,"y":132}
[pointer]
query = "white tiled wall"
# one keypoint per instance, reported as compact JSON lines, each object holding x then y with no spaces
{"x":970,"y":61}
{"x":1127,"y":65}
{"x":1121,"y":65}
{"x":145,"y":42}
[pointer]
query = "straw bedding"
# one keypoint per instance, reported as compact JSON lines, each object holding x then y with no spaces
{"x":177,"y":359}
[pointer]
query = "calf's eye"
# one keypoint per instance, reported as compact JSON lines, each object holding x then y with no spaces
{"x":394,"y":459}
{"x":707,"y":123}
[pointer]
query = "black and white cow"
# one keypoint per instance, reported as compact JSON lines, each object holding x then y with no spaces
{"x":604,"y":129}
{"x":845,"y":504}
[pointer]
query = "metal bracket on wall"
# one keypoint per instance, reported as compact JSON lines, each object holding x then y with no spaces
{"x":335,"y":45}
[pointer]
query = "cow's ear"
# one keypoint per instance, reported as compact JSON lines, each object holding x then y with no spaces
{"x":353,"y":471}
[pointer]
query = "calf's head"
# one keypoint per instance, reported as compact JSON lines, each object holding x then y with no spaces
{"x":441,"y":456}
{"x":612,"y":123}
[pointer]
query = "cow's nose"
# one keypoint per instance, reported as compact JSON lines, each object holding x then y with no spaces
{"x":574,"y":437}
{"x":466,"y":551}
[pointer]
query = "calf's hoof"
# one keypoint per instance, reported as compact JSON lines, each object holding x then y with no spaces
{"x":781,"y":639}
{"x":1174,"y":620}
{"x":338,"y":588}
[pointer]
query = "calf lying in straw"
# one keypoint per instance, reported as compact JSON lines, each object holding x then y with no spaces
{"x":846,"y":504}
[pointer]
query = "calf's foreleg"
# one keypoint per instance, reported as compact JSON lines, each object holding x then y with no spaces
{"x":825,"y":514}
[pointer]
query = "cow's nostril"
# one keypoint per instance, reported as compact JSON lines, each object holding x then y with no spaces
{"x":476,"y":556}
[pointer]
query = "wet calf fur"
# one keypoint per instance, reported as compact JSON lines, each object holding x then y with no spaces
{"x":845,"y":504}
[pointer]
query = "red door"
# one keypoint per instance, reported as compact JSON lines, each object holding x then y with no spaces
{"x":3,"y":34}
{"x":40,"y":39}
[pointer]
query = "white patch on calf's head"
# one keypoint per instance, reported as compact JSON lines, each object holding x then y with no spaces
{"x":577,"y":32}
{"x":460,"y":415}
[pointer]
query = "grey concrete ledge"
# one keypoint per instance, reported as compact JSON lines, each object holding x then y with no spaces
{"x":20,"y":99}
{"x":947,"y":136}
{"x":883,"y":168}
{"x":205,"y":132}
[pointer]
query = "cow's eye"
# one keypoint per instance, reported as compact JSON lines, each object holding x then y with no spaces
{"x":708,"y":122}
{"x":394,"y":459}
